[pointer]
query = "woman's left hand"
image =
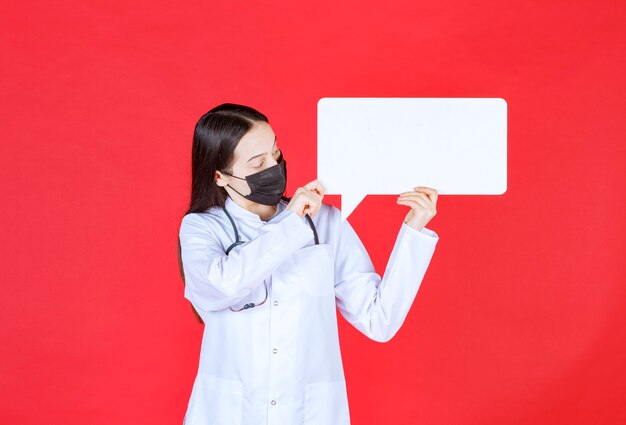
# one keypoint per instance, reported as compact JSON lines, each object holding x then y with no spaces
{"x":423,"y":203}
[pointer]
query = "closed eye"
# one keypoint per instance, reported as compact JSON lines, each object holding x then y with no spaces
{"x":263,"y":162}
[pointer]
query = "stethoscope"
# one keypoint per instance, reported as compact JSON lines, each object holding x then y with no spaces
{"x":239,"y":242}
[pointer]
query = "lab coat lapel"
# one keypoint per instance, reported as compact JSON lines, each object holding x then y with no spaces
{"x":240,"y":214}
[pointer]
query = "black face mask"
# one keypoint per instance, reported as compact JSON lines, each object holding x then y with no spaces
{"x":267,"y":186}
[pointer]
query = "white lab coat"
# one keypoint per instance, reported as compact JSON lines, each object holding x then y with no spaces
{"x":280,"y":363}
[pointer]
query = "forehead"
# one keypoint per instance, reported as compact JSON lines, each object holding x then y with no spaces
{"x":258,"y":140}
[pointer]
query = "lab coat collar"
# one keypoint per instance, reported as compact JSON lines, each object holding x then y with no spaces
{"x":240,"y":212}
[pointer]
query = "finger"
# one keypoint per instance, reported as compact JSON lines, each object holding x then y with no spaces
{"x":322,"y":189}
{"x":430,"y":191}
{"x":416,"y":190}
{"x":431,"y":201}
{"x":309,"y":194}
{"x":314,"y":195}
{"x":414,"y":205}
{"x":426,"y":189}
{"x":418,"y":195}
{"x":414,"y":202}
{"x":426,"y":199}
{"x":314,"y":202}
{"x":308,"y":208}
{"x":315,"y":186}
{"x":410,"y":192}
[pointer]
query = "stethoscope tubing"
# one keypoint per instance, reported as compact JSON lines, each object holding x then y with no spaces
{"x":239,"y":242}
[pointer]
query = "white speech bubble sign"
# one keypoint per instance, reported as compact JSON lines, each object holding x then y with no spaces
{"x":385,"y":146}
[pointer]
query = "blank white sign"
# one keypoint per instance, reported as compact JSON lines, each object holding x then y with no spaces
{"x":385,"y":146}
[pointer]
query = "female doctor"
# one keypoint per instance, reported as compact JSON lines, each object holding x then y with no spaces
{"x":265,"y":273}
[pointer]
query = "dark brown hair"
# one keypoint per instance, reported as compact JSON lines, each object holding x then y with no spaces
{"x":215,"y":137}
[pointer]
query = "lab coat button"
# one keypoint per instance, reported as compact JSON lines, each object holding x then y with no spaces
{"x":273,"y":402}
{"x":275,"y":302}
{"x":275,"y":351}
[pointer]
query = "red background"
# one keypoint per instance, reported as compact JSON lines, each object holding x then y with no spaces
{"x":520,"y":318}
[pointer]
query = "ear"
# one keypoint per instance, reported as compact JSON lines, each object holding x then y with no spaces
{"x":220,"y":179}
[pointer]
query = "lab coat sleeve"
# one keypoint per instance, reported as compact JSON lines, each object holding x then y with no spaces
{"x":377,"y":307}
{"x":214,"y":280}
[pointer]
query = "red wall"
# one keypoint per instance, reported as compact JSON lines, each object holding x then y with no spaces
{"x":520,"y":318}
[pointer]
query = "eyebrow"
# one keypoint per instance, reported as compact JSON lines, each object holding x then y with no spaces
{"x":261,"y":154}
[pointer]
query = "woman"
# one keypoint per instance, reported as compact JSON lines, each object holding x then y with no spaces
{"x":265,"y":274}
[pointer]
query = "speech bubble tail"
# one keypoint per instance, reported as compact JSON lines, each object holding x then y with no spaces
{"x":349,"y":204}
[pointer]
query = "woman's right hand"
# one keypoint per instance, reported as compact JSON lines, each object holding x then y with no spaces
{"x":307,"y":199}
